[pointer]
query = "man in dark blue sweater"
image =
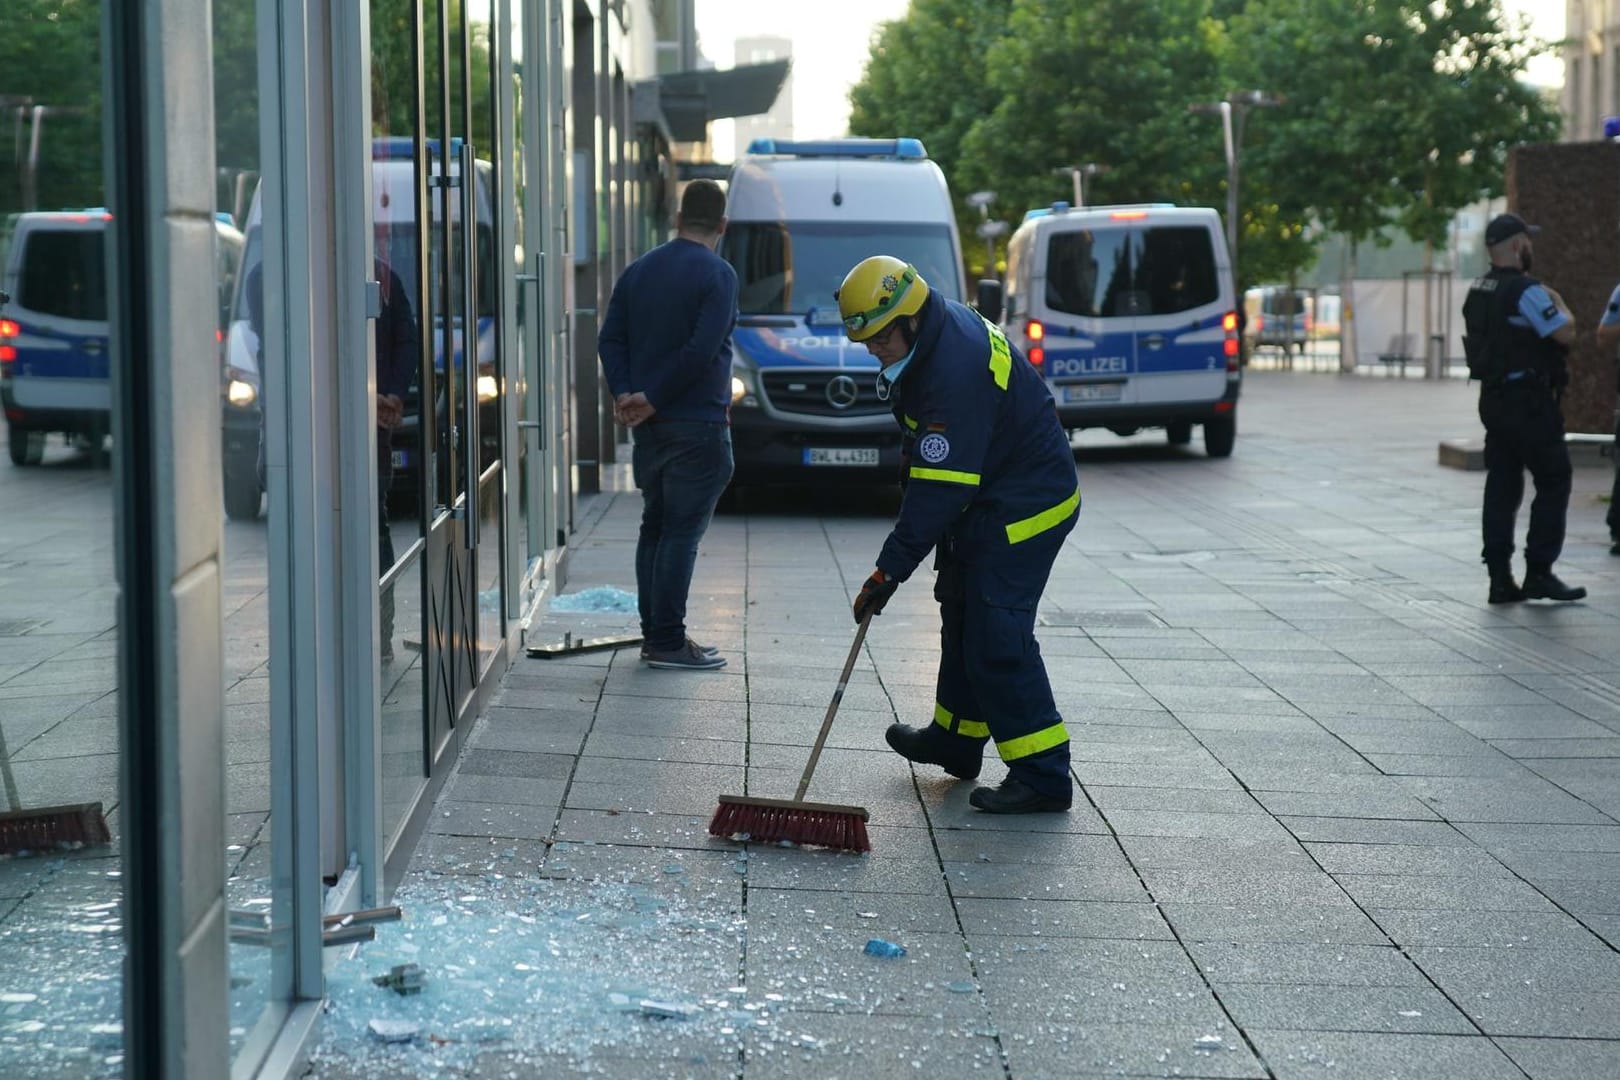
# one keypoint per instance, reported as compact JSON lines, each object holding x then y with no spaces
{"x":665,"y":347}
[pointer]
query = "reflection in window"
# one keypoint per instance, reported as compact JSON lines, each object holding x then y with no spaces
{"x":1127,"y":272}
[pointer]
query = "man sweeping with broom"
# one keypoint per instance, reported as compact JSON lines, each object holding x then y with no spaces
{"x":992,"y":491}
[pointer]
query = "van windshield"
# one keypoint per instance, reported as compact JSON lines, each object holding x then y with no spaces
{"x":1131,"y":271}
{"x":789,"y":268}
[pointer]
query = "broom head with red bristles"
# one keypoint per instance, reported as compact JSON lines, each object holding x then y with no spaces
{"x":774,"y":821}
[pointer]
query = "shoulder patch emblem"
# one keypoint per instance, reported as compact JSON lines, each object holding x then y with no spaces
{"x":933,"y":448}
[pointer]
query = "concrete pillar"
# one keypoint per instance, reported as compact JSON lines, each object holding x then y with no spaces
{"x":158,"y":93}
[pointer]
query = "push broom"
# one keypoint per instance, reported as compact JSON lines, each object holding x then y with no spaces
{"x":794,"y":820}
{"x":45,"y":828}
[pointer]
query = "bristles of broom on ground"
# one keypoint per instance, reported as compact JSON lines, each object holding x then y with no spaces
{"x":793,"y":820}
{"x":775,"y":821}
{"x":50,"y":828}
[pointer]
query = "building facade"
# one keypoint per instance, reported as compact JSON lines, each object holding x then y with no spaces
{"x":1591,"y":55}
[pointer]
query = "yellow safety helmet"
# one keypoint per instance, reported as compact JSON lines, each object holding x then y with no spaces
{"x":879,"y":290}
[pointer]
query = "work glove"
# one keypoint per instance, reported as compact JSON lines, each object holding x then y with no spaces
{"x":875,"y":592}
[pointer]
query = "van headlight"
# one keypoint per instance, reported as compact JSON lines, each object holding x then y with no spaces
{"x":742,"y":388}
{"x":239,"y":390}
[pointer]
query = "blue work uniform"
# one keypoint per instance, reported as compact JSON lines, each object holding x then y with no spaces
{"x":992,"y":489}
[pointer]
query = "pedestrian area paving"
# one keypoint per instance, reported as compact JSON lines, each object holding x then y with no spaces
{"x":1336,"y":816}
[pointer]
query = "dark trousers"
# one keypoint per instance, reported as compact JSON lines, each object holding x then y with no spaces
{"x":1524,"y":431}
{"x":681,"y":467}
{"x":1613,"y":516}
{"x":992,"y":683}
{"x":385,"y":540}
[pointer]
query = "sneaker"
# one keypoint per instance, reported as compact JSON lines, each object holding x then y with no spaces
{"x":687,"y":657}
{"x":1016,"y":797}
{"x":706,"y":650}
{"x":914,"y":744}
{"x":1614,"y":548}
{"x":1545,"y":585}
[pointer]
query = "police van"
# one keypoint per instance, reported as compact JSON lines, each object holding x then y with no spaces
{"x":55,"y":360}
{"x":801,"y":214}
{"x":1130,"y":314}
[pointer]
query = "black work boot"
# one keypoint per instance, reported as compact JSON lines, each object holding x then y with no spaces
{"x":1504,"y":590}
{"x":920,"y":745}
{"x":1540,"y":583}
{"x":1013,"y":796}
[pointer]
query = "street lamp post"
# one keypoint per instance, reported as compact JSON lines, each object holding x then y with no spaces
{"x":987,"y":228}
{"x":1079,"y":172}
{"x":1232,"y":110}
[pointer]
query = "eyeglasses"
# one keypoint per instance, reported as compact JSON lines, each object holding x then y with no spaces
{"x":882,"y":337}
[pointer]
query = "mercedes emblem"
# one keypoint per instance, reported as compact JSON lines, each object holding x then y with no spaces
{"x":842,"y":392}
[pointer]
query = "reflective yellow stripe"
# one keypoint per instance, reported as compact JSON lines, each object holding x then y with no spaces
{"x":1033,"y":743}
{"x":910,"y":423}
{"x":949,"y":476}
{"x":1019,"y":531}
{"x":1000,"y":354}
{"x":973,"y":729}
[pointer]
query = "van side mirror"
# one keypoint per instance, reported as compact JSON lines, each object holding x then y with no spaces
{"x":990,"y":296}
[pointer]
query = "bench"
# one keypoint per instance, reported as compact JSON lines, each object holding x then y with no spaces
{"x":1400,"y":350}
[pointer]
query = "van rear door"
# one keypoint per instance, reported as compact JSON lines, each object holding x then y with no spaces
{"x":1090,"y":336}
{"x":60,"y":306}
{"x":1176,"y":292}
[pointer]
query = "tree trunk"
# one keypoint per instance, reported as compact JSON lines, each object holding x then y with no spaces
{"x":1347,"y":310}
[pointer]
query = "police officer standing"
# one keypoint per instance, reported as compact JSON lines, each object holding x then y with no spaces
{"x":1517,"y":335}
{"x":992,"y":490}
{"x":1608,"y":336}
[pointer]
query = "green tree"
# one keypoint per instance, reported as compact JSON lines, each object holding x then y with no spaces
{"x":1400,"y":112}
{"x":50,"y":55}
{"x":916,"y":83}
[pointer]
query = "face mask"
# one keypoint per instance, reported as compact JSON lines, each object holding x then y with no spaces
{"x":1524,"y":260}
{"x":889,"y":376}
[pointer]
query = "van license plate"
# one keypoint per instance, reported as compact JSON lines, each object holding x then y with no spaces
{"x":840,"y":455}
{"x":1093,"y":392}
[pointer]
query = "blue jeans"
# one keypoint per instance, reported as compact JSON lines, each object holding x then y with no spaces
{"x":681,"y":467}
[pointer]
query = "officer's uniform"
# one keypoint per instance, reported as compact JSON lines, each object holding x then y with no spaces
{"x":1611,"y":316}
{"x":1510,"y":316}
{"x":992,"y":489}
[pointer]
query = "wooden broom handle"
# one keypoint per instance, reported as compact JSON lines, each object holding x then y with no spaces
{"x":832,"y":708}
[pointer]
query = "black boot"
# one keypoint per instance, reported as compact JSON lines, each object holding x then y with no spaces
{"x":1504,"y":590}
{"x":1540,"y":583}
{"x":1014,"y":796}
{"x":922,"y":746}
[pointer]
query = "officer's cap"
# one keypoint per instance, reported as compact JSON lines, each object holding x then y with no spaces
{"x":1506,"y":227}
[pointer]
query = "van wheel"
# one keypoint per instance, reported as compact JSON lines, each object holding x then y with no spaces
{"x":1179,"y":432}
{"x":242,"y":492}
{"x":1219,"y":435}
{"x":27,"y":447}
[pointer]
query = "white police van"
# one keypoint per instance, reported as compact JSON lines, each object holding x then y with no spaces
{"x":55,"y":360}
{"x":1129,"y":312}
{"x":801,"y":214}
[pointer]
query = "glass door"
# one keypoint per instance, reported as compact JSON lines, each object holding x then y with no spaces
{"x":450,"y":604}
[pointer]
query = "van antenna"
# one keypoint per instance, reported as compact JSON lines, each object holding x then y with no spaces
{"x":838,"y":194}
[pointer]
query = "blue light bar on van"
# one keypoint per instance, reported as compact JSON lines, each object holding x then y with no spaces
{"x":403,"y":147}
{"x":903,"y":149}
